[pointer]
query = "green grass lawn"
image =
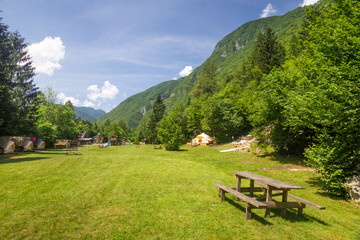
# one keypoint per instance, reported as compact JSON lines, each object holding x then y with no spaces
{"x":124,"y":192}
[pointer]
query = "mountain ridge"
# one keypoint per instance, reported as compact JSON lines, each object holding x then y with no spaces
{"x":88,"y":113}
{"x":228,"y":55}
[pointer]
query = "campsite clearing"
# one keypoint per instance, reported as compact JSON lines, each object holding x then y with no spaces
{"x":138,"y":193}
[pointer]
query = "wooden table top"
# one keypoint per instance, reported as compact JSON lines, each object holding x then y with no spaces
{"x":269,"y":181}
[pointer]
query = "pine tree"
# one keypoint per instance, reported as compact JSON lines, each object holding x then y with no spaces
{"x":155,"y":118}
{"x":268,"y":51}
{"x":18,"y":93}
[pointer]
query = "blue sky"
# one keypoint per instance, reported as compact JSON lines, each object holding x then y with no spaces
{"x":98,"y":53}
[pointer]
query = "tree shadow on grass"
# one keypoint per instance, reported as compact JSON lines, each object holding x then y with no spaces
{"x":18,"y":159}
{"x":284,"y":159}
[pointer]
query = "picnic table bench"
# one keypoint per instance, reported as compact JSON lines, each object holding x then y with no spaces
{"x":72,"y":150}
{"x":270,"y":188}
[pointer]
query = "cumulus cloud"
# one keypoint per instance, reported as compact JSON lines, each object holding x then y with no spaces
{"x":308,"y":2}
{"x":87,"y":103}
{"x":269,"y":11}
{"x":186,"y":71}
{"x":63,"y":98}
{"x":47,"y":54}
{"x":107,"y":91}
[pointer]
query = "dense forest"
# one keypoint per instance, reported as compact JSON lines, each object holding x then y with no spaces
{"x":303,"y":99}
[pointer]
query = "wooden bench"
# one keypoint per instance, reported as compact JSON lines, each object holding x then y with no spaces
{"x":72,"y":150}
{"x":250,"y":202}
{"x":302,"y":202}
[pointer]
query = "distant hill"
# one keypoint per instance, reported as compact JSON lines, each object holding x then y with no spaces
{"x":228,"y":55}
{"x":135,"y":107}
{"x":88,"y":113}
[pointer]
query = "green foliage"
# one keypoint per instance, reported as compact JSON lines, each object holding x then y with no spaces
{"x":18,"y":93}
{"x":207,"y":82}
{"x":170,"y":132}
{"x":55,"y":120}
{"x":313,"y":103}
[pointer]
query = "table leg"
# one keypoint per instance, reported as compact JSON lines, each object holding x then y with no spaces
{"x":222,"y":195}
{"x":248,"y":211}
{"x":238,"y":186}
{"x":284,"y":199}
{"x":251,"y":188}
{"x":268,"y":199}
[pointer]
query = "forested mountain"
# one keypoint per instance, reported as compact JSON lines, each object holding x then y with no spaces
{"x":135,"y":107}
{"x":88,"y":113}
{"x":227,"y":56}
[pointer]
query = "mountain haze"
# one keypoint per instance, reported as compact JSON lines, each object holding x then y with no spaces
{"x":88,"y":113}
{"x":228,"y":56}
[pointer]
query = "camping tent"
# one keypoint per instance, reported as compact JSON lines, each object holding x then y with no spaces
{"x":202,"y":139}
{"x":23,"y":144}
{"x":39,"y":144}
{"x":6,"y":145}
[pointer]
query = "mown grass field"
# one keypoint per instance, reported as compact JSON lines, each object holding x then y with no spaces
{"x":140,"y":193}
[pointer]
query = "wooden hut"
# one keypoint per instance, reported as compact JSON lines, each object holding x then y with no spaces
{"x":23,"y":144}
{"x":7,"y":145}
{"x":98,"y":139}
{"x":62,"y":144}
{"x":114,"y":140}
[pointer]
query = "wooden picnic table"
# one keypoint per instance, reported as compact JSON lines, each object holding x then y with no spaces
{"x":271,"y":188}
{"x":269,"y":185}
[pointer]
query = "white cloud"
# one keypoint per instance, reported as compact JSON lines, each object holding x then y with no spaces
{"x":64,"y":99}
{"x":186,"y":71}
{"x":125,"y":95}
{"x":308,"y":2}
{"x":107,"y":91}
{"x":47,"y":54}
{"x":268,"y":11}
{"x":87,"y":103}
{"x":174,"y":78}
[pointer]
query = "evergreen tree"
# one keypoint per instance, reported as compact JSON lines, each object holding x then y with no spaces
{"x":268,"y":52}
{"x":207,"y":82}
{"x":155,"y":118}
{"x":18,"y":93}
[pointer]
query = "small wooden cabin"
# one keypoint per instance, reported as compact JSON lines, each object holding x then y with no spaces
{"x":114,"y":140}
{"x":62,"y":144}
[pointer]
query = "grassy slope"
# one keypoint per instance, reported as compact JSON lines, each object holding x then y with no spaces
{"x":140,"y":193}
